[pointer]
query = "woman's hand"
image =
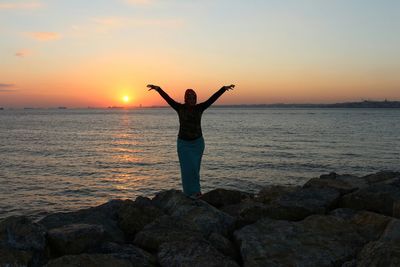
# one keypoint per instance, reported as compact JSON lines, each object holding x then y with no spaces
{"x":228,"y":87}
{"x":153,"y":87}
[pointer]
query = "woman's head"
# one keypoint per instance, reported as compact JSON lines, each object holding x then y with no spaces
{"x":190,"y":97}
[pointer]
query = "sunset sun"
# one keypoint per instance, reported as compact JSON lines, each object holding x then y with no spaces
{"x":125,"y":99}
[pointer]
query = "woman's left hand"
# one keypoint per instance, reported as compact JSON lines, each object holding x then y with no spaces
{"x":228,"y":87}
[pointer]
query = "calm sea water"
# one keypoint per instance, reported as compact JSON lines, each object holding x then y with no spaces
{"x":61,"y":160}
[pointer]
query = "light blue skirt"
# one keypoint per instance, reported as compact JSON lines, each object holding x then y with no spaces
{"x":190,"y":154}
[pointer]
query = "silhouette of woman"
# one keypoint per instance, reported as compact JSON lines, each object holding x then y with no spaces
{"x":190,"y":143}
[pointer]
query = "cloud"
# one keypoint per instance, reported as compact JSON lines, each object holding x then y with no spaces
{"x":44,"y":36}
{"x":23,"y":5}
{"x":109,"y":23}
{"x":7,"y":87}
{"x":23,"y":53}
{"x":139,"y":2}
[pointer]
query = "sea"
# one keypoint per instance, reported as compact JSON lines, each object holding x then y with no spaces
{"x":54,"y":160}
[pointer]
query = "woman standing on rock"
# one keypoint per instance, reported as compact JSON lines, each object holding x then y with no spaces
{"x":190,"y":137}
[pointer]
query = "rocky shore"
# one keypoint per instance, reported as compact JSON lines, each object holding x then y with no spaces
{"x":333,"y":220}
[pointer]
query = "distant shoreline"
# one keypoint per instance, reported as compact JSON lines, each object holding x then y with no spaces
{"x":363,"y":104}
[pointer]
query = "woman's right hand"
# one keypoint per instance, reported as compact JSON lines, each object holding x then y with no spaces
{"x":153,"y":87}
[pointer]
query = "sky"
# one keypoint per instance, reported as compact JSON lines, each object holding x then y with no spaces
{"x":94,"y":53}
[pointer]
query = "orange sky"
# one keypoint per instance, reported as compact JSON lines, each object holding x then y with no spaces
{"x":274,"y":51}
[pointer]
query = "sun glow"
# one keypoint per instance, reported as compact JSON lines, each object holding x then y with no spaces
{"x":125,"y":99}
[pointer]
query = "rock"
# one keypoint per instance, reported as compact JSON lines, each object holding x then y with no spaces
{"x":223,"y":245}
{"x":21,"y":233}
{"x":370,"y":225}
{"x":379,"y":177}
{"x":22,"y":242}
{"x":166,"y":229}
{"x":379,"y":254}
{"x":105,"y":215}
{"x":136,"y":255}
{"x":378,"y":198}
{"x":74,"y":238}
{"x":396,"y":209}
{"x":337,"y":184}
{"x":301,"y":203}
{"x":385,"y":251}
{"x":349,"y":180}
{"x":223,"y":197}
{"x":90,"y":260}
{"x":316,"y":241}
{"x":15,"y":258}
{"x":247,"y":212}
{"x":272,"y":192}
{"x":192,"y":254}
{"x":133,"y":216}
{"x":170,"y":200}
{"x":199,"y":213}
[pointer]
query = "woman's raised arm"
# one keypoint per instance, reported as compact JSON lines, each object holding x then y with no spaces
{"x":215,"y":96}
{"x":164,"y":95}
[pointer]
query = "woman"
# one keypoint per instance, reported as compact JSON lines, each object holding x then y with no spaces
{"x":190,"y":138}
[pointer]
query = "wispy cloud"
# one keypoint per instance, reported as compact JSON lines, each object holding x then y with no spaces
{"x":139,"y":2}
{"x":21,"y":5}
{"x":44,"y":36}
{"x":109,"y":23}
{"x":23,"y":53}
{"x":7,"y":87}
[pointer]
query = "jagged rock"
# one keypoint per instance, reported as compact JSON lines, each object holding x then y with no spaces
{"x":22,"y":242}
{"x":136,"y":255}
{"x":385,"y":251}
{"x":105,"y":215}
{"x":133,"y":216}
{"x":90,"y":260}
{"x":316,"y":241}
{"x":337,"y":184}
{"x":166,"y":229}
{"x":192,"y":253}
{"x":74,"y":238}
{"x":346,"y":179}
{"x":223,"y":197}
{"x":247,"y":212}
{"x":15,"y":258}
{"x":170,"y":200}
{"x":301,"y":203}
{"x":379,"y":254}
{"x":380,"y":177}
{"x":223,"y":245}
{"x":21,"y":233}
{"x":378,"y":198}
{"x":206,"y":217}
{"x":370,"y":225}
{"x":272,"y":192}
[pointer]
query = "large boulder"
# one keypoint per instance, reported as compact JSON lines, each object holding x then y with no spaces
{"x":166,"y":229}
{"x":15,"y":258}
{"x":22,"y":233}
{"x":105,"y":215}
{"x":136,"y":255}
{"x":316,"y":241}
{"x":345,"y":181}
{"x":247,"y":212}
{"x":22,"y":242}
{"x":222,"y":197}
{"x":74,"y":238}
{"x":341,"y":186}
{"x":304,"y":202}
{"x":205,"y":217}
{"x":224,"y":245}
{"x":385,"y":251}
{"x":382,"y":177}
{"x":192,"y":253}
{"x":90,"y":260}
{"x":134,"y":215}
{"x":271,"y":193}
{"x":380,"y":198}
